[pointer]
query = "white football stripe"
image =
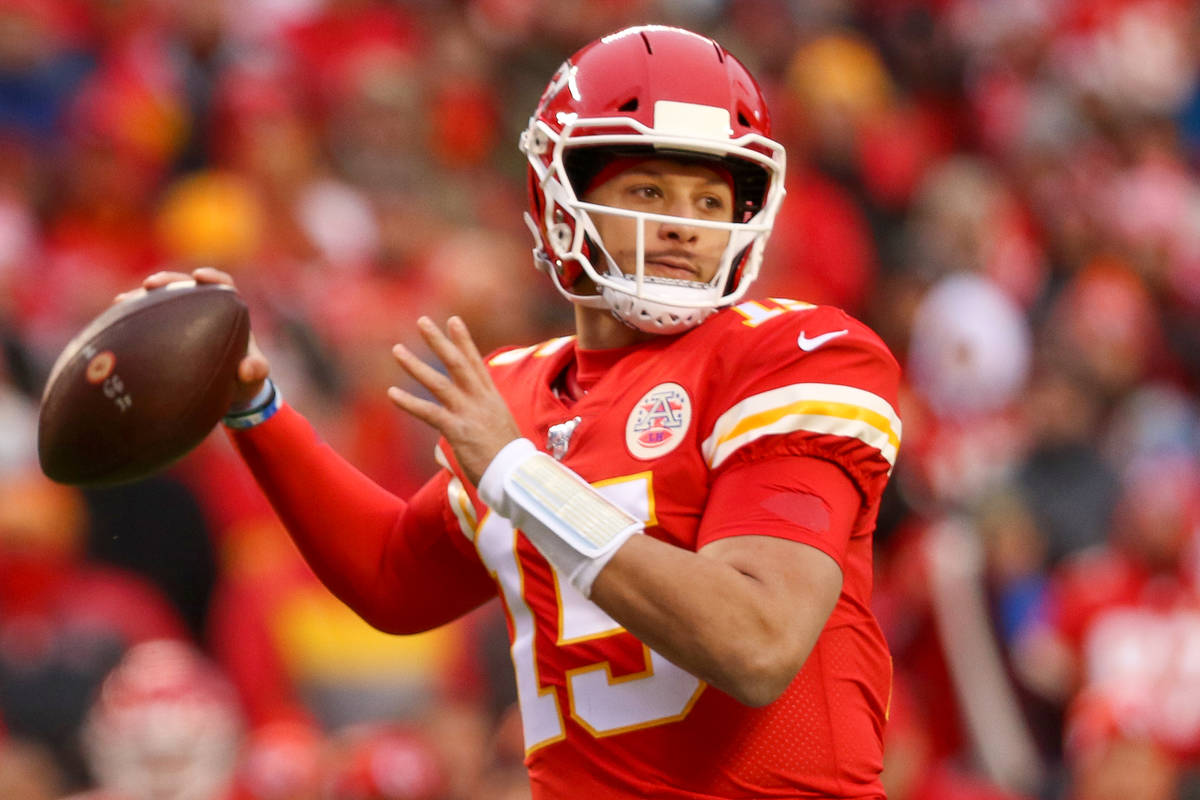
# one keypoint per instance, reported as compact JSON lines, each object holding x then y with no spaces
{"x":511,"y":356}
{"x":816,"y":407}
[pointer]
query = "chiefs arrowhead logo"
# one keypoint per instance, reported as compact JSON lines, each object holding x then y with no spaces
{"x":658,"y":422}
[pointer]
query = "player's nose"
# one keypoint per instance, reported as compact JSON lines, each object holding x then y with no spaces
{"x":679,"y":228}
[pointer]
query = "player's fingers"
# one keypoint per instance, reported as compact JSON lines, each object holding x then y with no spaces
{"x":212,"y":275}
{"x":154,"y":281}
{"x":163,"y":277}
{"x":437,"y":383}
{"x":430,"y":413}
{"x":448,"y":353}
{"x":461,"y":336}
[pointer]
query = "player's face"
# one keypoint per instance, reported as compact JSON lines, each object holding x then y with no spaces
{"x":663,"y":186}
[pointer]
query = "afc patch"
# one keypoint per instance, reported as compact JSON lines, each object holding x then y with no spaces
{"x":658,"y":422}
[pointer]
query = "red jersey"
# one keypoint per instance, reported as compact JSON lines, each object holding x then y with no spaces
{"x":604,"y":716}
{"x":1136,"y":635}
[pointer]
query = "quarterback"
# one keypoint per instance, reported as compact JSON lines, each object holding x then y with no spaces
{"x":675,"y":504}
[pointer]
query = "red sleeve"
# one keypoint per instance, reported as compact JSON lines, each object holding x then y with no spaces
{"x":836,"y":400}
{"x":800,"y":498}
{"x":399,"y":565}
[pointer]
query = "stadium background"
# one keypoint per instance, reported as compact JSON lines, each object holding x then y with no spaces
{"x":1005,"y":191}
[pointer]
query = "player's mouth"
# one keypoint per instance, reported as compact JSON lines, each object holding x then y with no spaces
{"x":672,"y":265}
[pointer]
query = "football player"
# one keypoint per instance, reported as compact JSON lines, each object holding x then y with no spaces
{"x":676,"y":503}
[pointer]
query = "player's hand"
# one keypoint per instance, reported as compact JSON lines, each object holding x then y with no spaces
{"x":254,"y":368}
{"x":470,"y":412}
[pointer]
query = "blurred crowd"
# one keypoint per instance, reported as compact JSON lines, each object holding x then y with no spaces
{"x":1006,"y":191}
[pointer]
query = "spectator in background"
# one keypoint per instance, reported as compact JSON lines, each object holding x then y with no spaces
{"x":914,"y":767}
{"x":64,"y":623}
{"x":1071,"y":488}
{"x":29,"y":771}
{"x":1121,"y":626}
{"x":384,"y":762}
{"x":42,"y":62}
{"x":823,"y":249}
{"x":968,"y":358}
{"x":1110,"y":762}
{"x":165,"y":725}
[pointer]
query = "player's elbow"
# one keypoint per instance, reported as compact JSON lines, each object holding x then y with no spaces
{"x":764,"y":661}
{"x":761,"y":677}
{"x":757,"y":694}
{"x":386,"y":618}
{"x":394,"y":627}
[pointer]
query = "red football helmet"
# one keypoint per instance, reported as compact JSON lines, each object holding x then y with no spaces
{"x":167,"y":725}
{"x":649,"y":91}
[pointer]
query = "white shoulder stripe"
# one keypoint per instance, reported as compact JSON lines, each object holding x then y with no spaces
{"x":547,"y":348}
{"x":824,"y":408}
{"x":511,"y":356}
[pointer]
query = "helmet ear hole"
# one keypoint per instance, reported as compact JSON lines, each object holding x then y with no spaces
{"x":560,"y":238}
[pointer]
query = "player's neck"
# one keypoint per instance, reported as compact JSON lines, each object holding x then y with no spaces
{"x":598,"y":329}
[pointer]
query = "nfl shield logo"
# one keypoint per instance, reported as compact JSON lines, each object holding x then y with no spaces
{"x":558,"y":437}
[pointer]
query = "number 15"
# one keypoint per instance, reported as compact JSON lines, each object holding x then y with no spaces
{"x":602,"y":704}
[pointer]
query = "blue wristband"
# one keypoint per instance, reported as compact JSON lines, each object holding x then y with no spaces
{"x":261,"y":409}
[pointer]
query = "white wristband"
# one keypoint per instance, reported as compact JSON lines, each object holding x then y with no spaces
{"x":575,"y":527}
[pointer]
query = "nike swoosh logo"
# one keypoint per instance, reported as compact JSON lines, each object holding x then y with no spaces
{"x":809,"y":344}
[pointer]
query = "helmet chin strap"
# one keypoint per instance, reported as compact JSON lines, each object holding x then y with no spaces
{"x":650,"y":316}
{"x":638,"y":313}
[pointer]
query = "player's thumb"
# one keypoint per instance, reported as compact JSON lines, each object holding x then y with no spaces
{"x":254,"y":367}
{"x":252,"y":370}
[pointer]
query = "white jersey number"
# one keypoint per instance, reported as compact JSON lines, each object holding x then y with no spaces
{"x":604,"y":705}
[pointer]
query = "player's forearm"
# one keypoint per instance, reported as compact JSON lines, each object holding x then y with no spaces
{"x":707,"y":617}
{"x":389,"y":560}
{"x":323,"y":502}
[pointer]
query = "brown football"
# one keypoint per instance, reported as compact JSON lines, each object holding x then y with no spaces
{"x":142,"y":384}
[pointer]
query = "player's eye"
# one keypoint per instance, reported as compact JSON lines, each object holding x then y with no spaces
{"x":645,"y":191}
{"x":716,"y":206}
